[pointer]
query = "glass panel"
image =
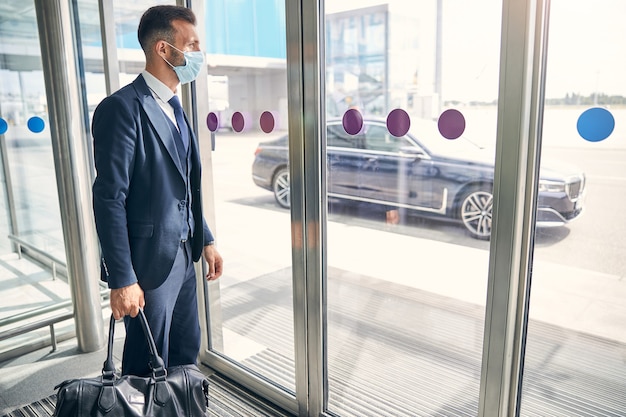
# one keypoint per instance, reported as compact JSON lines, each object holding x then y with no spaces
{"x":6,"y":227}
{"x":29,"y":204}
{"x":129,"y":53}
{"x":411,"y":105}
{"x":251,"y":306}
{"x":575,"y":352}
{"x":27,"y":137}
{"x":91,"y":50}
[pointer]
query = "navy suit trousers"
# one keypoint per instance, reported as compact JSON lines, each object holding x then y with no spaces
{"x":172,"y":313}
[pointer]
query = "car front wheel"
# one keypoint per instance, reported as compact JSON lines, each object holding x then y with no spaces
{"x":280,"y":185}
{"x":475,"y":211}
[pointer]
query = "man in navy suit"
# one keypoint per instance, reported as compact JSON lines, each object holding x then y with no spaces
{"x":146,"y":196}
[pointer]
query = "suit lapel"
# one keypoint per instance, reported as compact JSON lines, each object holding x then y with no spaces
{"x":159,"y":121}
{"x":193,"y":143}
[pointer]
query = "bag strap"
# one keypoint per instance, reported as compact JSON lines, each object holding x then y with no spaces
{"x":156,"y":363}
{"x":159,"y":373}
{"x":107,"y":397}
{"x":108,"y":368}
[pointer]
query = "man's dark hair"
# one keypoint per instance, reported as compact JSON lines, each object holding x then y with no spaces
{"x":156,"y":24}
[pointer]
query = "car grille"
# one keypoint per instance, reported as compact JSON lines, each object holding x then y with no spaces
{"x":575,"y":188}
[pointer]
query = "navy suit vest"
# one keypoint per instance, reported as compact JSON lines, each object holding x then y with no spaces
{"x":185,"y":205}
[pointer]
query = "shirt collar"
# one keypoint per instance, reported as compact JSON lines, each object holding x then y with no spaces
{"x":158,"y":88}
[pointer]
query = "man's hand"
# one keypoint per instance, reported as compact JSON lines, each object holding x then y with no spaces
{"x":126,"y":301}
{"x":214,"y":261}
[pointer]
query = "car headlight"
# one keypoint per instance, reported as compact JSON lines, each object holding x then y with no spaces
{"x":551,"y":186}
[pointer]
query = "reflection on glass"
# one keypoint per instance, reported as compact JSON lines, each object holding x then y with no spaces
{"x":251,"y":306}
{"x":410,"y":204}
{"x":575,"y":362}
{"x":30,"y":168}
{"x":29,"y":205}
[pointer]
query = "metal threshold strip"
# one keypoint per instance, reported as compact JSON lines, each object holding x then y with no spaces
{"x":397,"y":351}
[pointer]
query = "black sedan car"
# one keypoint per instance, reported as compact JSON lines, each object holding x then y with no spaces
{"x":420,"y":171}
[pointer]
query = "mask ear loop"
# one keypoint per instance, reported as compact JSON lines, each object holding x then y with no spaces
{"x":181,"y":52}
{"x":172,"y":46}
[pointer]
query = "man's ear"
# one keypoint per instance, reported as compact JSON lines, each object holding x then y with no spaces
{"x":159,"y":48}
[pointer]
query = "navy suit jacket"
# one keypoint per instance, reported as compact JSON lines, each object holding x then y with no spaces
{"x":139,"y":187}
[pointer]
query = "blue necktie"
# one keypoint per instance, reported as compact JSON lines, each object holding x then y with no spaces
{"x":180,"y":120}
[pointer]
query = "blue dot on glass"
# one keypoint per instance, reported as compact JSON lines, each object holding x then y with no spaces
{"x":36,"y":124}
{"x":3,"y":126}
{"x":595,"y":124}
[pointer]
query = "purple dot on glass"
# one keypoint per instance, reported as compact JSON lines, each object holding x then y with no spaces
{"x":267,"y":121}
{"x":352,"y":122}
{"x":451,"y":124}
{"x":238,"y":122}
{"x":398,"y":122}
{"x":212,"y":122}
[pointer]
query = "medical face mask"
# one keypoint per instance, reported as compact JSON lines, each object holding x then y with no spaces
{"x":193,"y":64}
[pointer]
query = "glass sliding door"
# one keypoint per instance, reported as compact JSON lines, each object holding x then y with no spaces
{"x":29,"y":203}
{"x":29,"y":169}
{"x":238,"y":108}
{"x":124,"y":18}
{"x":250,"y":308}
{"x":576,"y":343}
{"x":411,"y":94}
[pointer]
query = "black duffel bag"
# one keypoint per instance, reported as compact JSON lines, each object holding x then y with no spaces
{"x":176,"y":391}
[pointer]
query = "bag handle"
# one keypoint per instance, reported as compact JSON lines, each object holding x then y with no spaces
{"x":106,"y":400}
{"x":156,"y":363}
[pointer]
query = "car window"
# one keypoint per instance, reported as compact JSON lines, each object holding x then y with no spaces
{"x":337,"y":136}
{"x":427,"y":132}
{"x":378,"y":138}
